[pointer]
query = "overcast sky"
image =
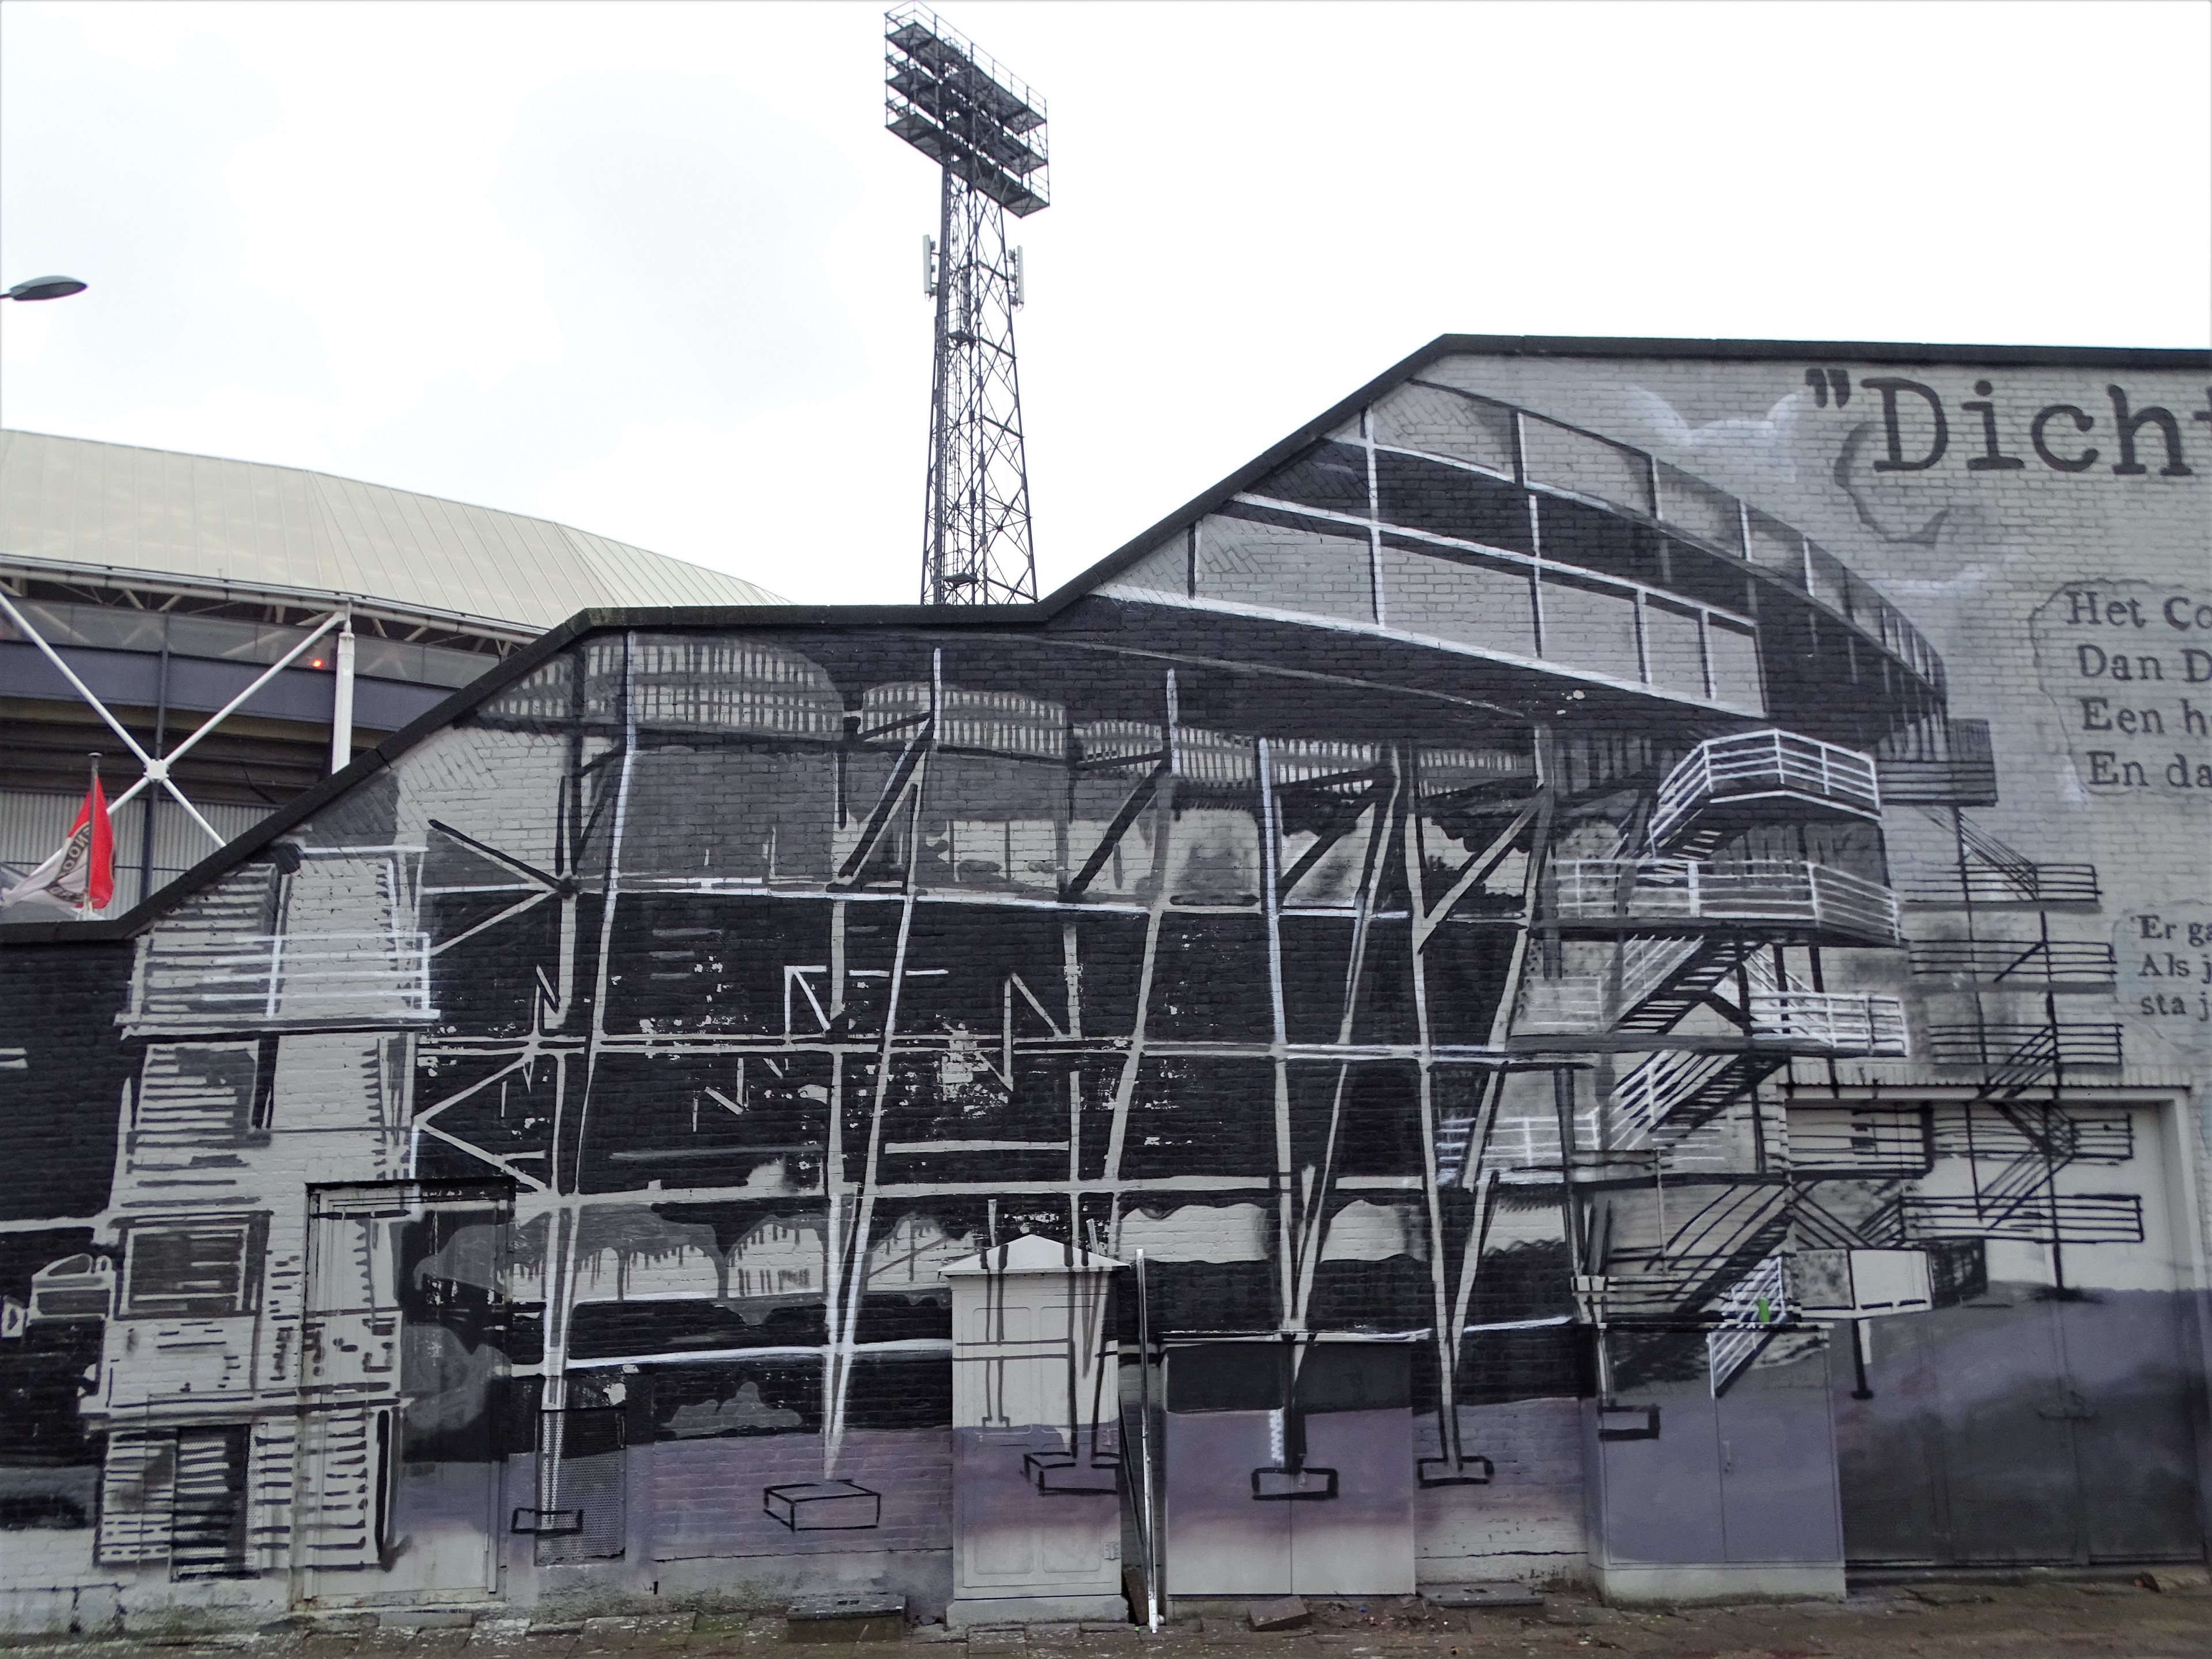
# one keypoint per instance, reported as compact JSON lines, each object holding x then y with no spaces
{"x":653,"y":270}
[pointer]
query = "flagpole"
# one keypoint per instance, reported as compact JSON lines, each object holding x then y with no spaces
{"x":84,"y":899}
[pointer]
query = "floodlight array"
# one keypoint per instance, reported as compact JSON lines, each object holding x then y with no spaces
{"x":946,"y":97}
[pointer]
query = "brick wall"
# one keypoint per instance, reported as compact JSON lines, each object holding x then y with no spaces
{"x":1584,"y":841}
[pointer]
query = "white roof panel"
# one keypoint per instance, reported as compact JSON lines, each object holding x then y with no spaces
{"x":154,"y":513}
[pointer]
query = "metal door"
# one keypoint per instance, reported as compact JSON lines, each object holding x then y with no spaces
{"x":1289,"y":1469}
{"x":2036,"y":1421}
{"x":1746,"y":1478}
{"x":402,"y":1365}
{"x":2134,"y":1450}
{"x":1352,"y":1406}
{"x":1224,"y":1420}
{"x":1777,"y":1458}
{"x":1659,"y":1450}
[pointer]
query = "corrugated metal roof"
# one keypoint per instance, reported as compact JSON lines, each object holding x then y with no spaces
{"x":154,"y":513}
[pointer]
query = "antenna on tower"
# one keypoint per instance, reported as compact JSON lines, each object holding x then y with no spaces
{"x":985,"y":129}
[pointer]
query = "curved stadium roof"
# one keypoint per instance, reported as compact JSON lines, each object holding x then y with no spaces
{"x":73,"y":504}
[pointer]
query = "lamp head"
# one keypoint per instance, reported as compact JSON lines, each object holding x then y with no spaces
{"x":46,"y":288}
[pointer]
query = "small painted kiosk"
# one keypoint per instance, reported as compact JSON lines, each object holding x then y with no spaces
{"x":1036,"y":1451}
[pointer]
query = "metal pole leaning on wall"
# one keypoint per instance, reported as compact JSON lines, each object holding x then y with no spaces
{"x":342,"y":698}
{"x":1145,"y":1449}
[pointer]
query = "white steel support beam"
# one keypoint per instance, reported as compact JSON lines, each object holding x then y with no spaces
{"x":69,"y":674}
{"x":157,"y":768}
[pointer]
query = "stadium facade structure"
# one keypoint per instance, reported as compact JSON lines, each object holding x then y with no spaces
{"x":1493,"y":906}
{"x":169,"y":583}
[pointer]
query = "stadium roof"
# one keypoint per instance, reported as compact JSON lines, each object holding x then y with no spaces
{"x":155,"y":516}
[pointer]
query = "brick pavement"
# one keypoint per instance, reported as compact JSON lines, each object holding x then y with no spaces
{"x":2042,"y":1621}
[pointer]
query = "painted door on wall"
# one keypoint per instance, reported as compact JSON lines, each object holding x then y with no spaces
{"x":402,"y":1366}
{"x":2049,"y":1416}
{"x":1289,"y":1469}
{"x":1037,"y":1465}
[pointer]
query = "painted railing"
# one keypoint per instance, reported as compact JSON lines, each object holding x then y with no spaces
{"x":2038,"y":1216}
{"x":1981,"y":882}
{"x":1951,"y":765}
{"x":1829,"y":1023}
{"x":1749,"y":1313}
{"x":244,"y":980}
{"x":1646,"y":966}
{"x":1776,"y":891}
{"x":1701,"y":1264}
{"x":2027,"y":964}
{"x":1868,"y":1141}
{"x":1784,"y":1013}
{"x":1670,"y":1080}
{"x":2023,"y":1053}
{"x":1593,"y":1002}
{"x":1769,"y":763}
{"x":1574,"y":1004}
{"x":1787,"y":1011}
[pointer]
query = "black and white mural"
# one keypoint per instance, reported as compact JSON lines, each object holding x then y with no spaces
{"x":1614,"y":1009}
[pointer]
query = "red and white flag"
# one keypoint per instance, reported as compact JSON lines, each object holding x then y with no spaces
{"x":81,"y":871}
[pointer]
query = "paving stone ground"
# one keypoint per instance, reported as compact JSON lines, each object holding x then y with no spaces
{"x":2043,"y":1620}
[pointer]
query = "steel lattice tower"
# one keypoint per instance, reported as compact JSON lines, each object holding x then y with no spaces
{"x":985,"y":131}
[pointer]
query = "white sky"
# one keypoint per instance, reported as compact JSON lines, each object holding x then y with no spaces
{"x":653,"y":270}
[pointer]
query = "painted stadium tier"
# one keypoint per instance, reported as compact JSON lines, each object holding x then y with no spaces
{"x":1441,"y":1017}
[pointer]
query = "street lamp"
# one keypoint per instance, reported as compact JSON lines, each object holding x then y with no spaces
{"x":46,"y":288}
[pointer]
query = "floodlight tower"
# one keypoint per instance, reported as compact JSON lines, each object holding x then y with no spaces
{"x":985,"y":129}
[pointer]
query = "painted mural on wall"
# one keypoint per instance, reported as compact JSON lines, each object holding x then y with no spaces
{"x":1624,"y":938}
